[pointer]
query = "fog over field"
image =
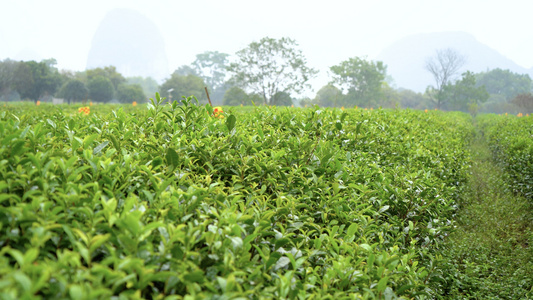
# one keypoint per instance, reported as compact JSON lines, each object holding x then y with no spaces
{"x":170,"y":33}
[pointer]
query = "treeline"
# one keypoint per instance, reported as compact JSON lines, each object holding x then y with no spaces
{"x":274,"y":72}
{"x":42,"y":81}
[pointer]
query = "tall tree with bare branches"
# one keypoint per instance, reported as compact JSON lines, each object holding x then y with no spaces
{"x":444,"y":67}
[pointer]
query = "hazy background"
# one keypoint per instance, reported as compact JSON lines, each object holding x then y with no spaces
{"x":328,"y":32}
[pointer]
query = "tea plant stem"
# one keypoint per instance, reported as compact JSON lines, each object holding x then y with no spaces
{"x":314,"y":148}
{"x":209,"y":99}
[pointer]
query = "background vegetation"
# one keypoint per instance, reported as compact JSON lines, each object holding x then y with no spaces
{"x":275,"y":72}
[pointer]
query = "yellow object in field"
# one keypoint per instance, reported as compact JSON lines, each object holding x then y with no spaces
{"x":218,"y":112}
{"x":84,"y":110}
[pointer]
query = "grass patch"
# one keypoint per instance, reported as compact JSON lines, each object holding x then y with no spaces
{"x":490,"y":256}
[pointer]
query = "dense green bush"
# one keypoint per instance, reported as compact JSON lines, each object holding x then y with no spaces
{"x":511,"y":141}
{"x":172,"y":203}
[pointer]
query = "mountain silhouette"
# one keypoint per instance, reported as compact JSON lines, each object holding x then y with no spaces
{"x":131,"y":42}
{"x":406,"y":58}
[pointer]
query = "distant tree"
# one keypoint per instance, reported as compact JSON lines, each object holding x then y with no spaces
{"x":281,"y":99}
{"x":504,"y":83}
{"x":128,"y":93}
{"x":361,"y":78}
{"x":390,"y":97}
{"x":178,"y":86}
{"x":444,"y":67}
{"x":524,"y":102}
{"x":100,"y":89}
{"x":411,"y":99}
{"x":255,"y":98}
{"x":329,"y":96}
{"x":46,"y":80}
{"x":304,"y":101}
{"x":74,"y":90}
{"x":464,"y":92}
{"x":236,"y":96}
{"x":109,"y":72}
{"x":148,"y":84}
{"x":212,"y":67}
{"x":7,"y":74}
{"x":185,"y":70}
{"x":271,"y":66}
{"x":15,"y":78}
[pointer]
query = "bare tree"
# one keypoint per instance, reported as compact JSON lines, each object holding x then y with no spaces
{"x":444,"y":67}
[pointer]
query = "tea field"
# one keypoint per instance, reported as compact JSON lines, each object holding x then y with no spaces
{"x":175,"y":202}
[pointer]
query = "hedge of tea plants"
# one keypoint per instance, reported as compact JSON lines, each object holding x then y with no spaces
{"x":511,"y":141}
{"x":171,"y":202}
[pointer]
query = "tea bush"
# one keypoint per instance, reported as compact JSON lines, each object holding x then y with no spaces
{"x":511,"y":140}
{"x":171,"y":203}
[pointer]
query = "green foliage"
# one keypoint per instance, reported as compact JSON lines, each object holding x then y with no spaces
{"x":509,"y":138}
{"x":15,"y":78}
{"x":464,"y":92}
{"x":487,"y":257}
{"x":37,"y":80}
{"x":109,"y":72}
{"x":148,"y":84}
{"x":128,"y":93}
{"x":362,"y":79}
{"x":74,"y":90}
{"x":183,"y":86}
{"x":236,"y":96}
{"x":100,"y":89}
{"x":265,"y":203}
{"x":281,"y":99}
{"x":185,"y":70}
{"x":329,"y":96}
{"x":212,"y":65}
{"x":271,"y":66}
{"x":410,"y":99}
{"x":504,"y":83}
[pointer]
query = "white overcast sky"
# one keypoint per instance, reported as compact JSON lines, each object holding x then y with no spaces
{"x":328,"y":32}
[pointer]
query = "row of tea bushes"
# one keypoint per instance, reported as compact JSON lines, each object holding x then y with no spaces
{"x":171,"y":203}
{"x":511,"y":141}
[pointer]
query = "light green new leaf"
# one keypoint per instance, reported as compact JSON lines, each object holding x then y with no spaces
{"x":100,"y":147}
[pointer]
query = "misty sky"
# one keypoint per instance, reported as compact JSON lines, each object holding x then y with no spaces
{"x":328,"y":31}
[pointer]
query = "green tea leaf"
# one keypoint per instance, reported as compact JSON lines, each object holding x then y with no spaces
{"x":352,"y":229}
{"x":382,"y":284}
{"x":115,"y":142}
{"x":230,"y":122}
{"x":195,"y":276}
{"x":100,"y":147}
{"x":17,"y":148}
{"x":172,"y":157}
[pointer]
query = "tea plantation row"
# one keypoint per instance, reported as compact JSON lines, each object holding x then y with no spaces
{"x":511,"y":140}
{"x":172,"y":203}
